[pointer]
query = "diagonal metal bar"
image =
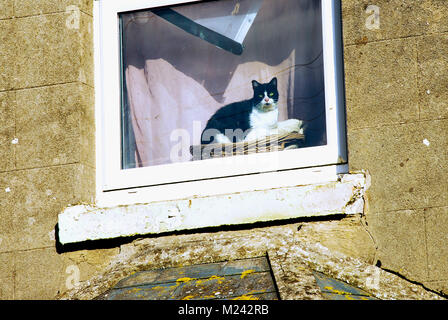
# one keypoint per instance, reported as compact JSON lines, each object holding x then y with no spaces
{"x":199,"y":31}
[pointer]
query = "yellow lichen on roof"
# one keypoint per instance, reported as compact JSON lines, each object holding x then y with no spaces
{"x":246,"y":272}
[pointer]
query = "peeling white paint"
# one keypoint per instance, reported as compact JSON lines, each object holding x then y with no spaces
{"x":87,"y":222}
{"x":15,"y":141}
{"x":426,"y":142}
{"x":7,"y":189}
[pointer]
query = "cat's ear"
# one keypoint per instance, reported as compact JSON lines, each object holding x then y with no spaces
{"x":273,"y":81}
{"x":255,"y":84}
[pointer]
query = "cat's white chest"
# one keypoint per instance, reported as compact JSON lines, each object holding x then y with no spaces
{"x":262,"y":124}
{"x":265,"y":120}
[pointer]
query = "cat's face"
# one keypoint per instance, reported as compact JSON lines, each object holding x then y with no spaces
{"x":265,"y":94}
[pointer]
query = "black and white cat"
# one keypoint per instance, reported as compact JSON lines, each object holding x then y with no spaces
{"x":249,"y":119}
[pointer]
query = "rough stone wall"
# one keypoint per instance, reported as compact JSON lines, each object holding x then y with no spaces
{"x":47,"y":142}
{"x":396,"y":91}
{"x":397,"y":117}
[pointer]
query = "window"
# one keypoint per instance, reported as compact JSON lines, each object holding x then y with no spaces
{"x":166,"y":69}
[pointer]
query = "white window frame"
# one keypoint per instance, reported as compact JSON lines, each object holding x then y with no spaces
{"x":211,"y":176}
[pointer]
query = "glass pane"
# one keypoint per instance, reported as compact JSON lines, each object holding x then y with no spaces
{"x":231,"y":72}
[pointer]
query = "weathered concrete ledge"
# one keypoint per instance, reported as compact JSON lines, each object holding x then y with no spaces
{"x":89,"y":222}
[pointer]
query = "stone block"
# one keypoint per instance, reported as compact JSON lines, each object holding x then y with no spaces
{"x":53,"y":48}
{"x":37,"y":7}
{"x":7,"y":130}
{"x":348,"y":236}
{"x":36,"y":197}
{"x":40,"y":274}
{"x":7,"y":276}
{"x":87,"y":141}
{"x":86,"y":73}
{"x":6,"y":9}
{"x":7,"y":204}
{"x":48,"y":51}
{"x":8,"y":43}
{"x":437,"y":237}
{"x":400,"y":237}
{"x":438,"y":286}
{"x":435,"y":13}
{"x":85,"y":183}
{"x":381,"y":83}
{"x":397,"y":19}
{"x":81,"y":265}
{"x":407,"y":163}
{"x":43,"y":273}
{"x":43,"y":193}
{"x":51,"y":126}
{"x":433,"y":76}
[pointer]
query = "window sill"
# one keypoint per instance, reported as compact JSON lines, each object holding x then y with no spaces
{"x":341,"y":195}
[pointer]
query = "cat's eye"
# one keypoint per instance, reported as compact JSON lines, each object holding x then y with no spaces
{"x":260,"y":95}
{"x":271,"y":94}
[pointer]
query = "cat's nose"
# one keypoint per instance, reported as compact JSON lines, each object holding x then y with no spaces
{"x":266,"y":99}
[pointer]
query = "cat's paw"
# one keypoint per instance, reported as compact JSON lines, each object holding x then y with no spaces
{"x":290,"y":125}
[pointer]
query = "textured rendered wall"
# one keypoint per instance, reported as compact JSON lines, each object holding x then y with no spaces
{"x":397,"y":114}
{"x":47,"y":136}
{"x":397,"y":110}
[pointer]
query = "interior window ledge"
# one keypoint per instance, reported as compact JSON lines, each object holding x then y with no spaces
{"x":344,"y":195}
